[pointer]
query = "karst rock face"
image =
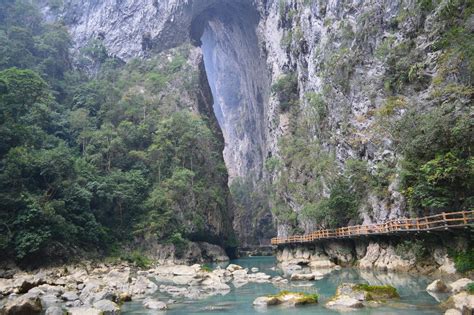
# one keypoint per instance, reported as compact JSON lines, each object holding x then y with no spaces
{"x":335,"y":49}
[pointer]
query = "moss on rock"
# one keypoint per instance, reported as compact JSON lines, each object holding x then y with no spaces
{"x":287,"y":298}
{"x":377,"y":292}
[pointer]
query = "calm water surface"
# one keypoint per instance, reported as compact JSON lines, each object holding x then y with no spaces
{"x":414,"y":299}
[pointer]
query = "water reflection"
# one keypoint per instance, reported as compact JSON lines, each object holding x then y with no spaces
{"x":413,"y":297}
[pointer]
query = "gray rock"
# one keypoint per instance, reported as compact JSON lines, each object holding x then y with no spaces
{"x":49,"y":300}
{"x":54,"y":310}
{"x":264,"y":301}
{"x":84,"y":311}
{"x":459,"y":285}
{"x":154,"y":304}
{"x":437,"y":286}
{"x":70,"y":296}
{"x":344,"y":303}
{"x":22,"y":305}
{"x":107,"y":307}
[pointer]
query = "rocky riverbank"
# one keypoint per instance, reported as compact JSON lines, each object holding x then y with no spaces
{"x":384,"y":255}
{"x":100,"y":288}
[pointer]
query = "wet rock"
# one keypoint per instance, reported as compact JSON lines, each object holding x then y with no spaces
{"x":107,"y":307}
{"x":233,"y":267}
{"x":344,"y":303}
{"x":279,"y":279}
{"x":240,"y":273}
{"x":286,"y":298}
{"x":437,"y":286}
{"x":305,"y":276}
{"x":259,"y":277}
{"x":124,"y":297}
{"x":143,"y":286}
{"x":84,"y":311}
{"x":350,"y":295}
{"x":154,"y":304}
{"x":265,"y":301}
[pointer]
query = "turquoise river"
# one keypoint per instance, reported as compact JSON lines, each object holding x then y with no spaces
{"x":413,"y":297}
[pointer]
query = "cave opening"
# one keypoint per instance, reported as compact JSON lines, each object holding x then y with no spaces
{"x":239,"y":81}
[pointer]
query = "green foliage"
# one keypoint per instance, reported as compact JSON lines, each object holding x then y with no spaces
{"x":463,"y":260}
{"x":179,"y":242}
{"x":137,"y":258}
{"x":411,"y":249}
{"x":252,"y":201}
{"x":437,"y":170}
{"x":318,"y":105}
{"x":392,"y":105}
{"x":286,"y":90}
{"x":93,"y":157}
{"x":206,"y":268}
{"x":377,"y":292}
{"x":470,"y":288}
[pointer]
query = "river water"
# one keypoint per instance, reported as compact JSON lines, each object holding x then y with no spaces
{"x":413,"y":297}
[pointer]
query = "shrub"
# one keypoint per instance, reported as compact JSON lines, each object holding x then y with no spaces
{"x":411,"y":249}
{"x":464,"y":260}
{"x":179,"y":243}
{"x":286,"y":90}
{"x":470,"y":288}
{"x":137,"y":258}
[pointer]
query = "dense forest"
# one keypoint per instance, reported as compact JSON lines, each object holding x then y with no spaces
{"x":96,"y":153}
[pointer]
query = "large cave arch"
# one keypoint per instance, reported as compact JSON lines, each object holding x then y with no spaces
{"x":238,"y":78}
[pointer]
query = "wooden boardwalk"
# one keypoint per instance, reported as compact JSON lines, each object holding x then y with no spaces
{"x":443,"y":221}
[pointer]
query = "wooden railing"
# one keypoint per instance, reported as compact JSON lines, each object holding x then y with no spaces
{"x":443,"y":221}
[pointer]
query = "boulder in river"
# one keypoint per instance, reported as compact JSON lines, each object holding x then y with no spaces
{"x":154,"y":304}
{"x":437,"y":286}
{"x":286,"y":298}
{"x":306,"y":276}
{"x":107,"y":307}
{"x":233,"y":267}
{"x":463,"y":302}
{"x":349,"y":296}
{"x":84,"y":311}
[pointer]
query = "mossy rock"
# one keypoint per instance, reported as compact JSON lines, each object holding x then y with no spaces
{"x":287,"y":298}
{"x":377,"y":292}
{"x":351,"y":296}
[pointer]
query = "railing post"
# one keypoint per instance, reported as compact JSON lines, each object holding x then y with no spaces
{"x":464,"y":217}
{"x":445,"y":223}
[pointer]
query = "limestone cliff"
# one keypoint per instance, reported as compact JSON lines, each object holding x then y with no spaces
{"x":301,"y":88}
